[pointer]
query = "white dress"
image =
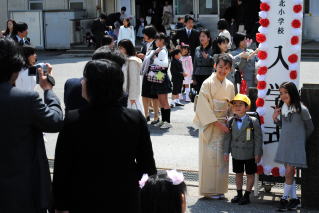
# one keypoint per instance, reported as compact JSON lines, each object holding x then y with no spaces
{"x":126,"y":33}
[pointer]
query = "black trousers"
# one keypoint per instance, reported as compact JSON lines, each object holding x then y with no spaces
{"x":199,"y":81}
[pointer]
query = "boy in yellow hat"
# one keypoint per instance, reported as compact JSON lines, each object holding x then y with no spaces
{"x":244,"y":142}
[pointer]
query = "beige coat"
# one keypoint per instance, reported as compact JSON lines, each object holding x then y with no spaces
{"x":131,"y":70}
{"x":212,"y":106}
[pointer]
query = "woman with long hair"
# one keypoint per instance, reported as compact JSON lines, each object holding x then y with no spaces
{"x":10,"y":27}
{"x":101,"y":139}
{"x":131,"y":70}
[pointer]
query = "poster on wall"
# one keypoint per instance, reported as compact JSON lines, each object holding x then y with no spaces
{"x":279,"y":53}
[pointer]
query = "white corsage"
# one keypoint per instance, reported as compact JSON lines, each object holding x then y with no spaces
{"x":175,"y":176}
{"x":143,"y":180}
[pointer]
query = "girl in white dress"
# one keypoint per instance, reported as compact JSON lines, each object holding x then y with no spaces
{"x":126,"y":31}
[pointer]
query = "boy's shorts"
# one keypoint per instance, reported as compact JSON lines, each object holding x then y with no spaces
{"x":249,"y":166}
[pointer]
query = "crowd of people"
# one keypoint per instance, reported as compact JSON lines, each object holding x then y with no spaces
{"x":106,"y":101}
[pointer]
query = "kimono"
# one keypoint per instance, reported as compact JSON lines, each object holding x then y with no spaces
{"x":212,"y":106}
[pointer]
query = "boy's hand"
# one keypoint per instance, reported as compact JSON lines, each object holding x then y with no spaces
{"x":226,"y":158}
{"x":257,"y":159}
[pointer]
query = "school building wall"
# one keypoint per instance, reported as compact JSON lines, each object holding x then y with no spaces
{"x":11,"y":5}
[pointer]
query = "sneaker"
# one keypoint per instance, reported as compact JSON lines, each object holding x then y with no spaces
{"x":172,"y":105}
{"x":179,"y":104}
{"x":188,"y":99}
{"x":283,"y":205}
{"x":166,"y":125}
{"x":217,"y":197}
{"x":155,"y":121}
{"x":244,"y":201}
{"x":293,"y":204}
{"x":236,"y":199}
{"x":159,"y":124}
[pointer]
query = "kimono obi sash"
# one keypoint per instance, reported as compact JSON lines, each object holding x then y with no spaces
{"x":221,"y":109}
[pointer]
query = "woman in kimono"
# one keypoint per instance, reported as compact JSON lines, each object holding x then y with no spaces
{"x":211,"y":113}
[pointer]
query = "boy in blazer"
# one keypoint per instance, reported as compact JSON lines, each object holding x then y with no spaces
{"x":244,"y":141}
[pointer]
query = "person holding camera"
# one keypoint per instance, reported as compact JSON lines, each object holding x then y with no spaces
{"x":28,"y":77}
{"x":25,"y":177}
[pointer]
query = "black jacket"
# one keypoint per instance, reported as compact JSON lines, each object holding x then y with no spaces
{"x":100,"y":156}
{"x":192,"y":40}
{"x":26,"y":41}
{"x":177,"y":70}
{"x":24,"y":171}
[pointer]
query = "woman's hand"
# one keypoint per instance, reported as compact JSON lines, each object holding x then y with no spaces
{"x":205,"y":55}
{"x":140,"y":55}
{"x":244,"y":55}
{"x":226,"y":158}
{"x":158,"y":50}
{"x":133,"y":102}
{"x":277,"y":112}
{"x":257,"y":159}
{"x":185,"y":74}
{"x":221,"y":126}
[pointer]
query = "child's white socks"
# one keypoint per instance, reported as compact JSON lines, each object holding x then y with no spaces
{"x":187,"y":90}
{"x":287,"y":191}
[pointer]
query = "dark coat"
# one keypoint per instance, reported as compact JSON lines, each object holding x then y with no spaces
{"x":177,"y":70}
{"x":26,"y":41}
{"x":25,"y":178}
{"x":192,"y":40}
{"x":100,"y":156}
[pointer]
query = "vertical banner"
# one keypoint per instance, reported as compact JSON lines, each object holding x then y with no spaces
{"x":279,"y":53}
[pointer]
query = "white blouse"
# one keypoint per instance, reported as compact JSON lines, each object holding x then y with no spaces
{"x":126,"y":33}
{"x":26,"y":82}
{"x":162,"y":58}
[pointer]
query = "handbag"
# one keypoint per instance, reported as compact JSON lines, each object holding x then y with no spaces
{"x":156,"y":74}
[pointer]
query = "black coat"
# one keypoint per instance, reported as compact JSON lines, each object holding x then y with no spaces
{"x":24,"y":171}
{"x":192,"y":40}
{"x":100,"y":156}
{"x":177,"y":70}
{"x":26,"y":41}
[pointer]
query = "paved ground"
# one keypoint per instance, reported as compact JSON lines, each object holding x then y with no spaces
{"x":178,"y":147}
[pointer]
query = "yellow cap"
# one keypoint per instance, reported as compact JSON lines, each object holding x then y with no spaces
{"x":243,"y":98}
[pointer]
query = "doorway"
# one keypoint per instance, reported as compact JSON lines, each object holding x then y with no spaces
{"x":152,"y":8}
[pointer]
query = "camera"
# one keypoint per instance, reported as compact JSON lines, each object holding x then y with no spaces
{"x":33,"y":71}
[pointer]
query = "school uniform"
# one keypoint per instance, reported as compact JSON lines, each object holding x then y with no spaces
{"x":244,"y":142}
{"x":177,"y":76}
{"x":295,"y":129}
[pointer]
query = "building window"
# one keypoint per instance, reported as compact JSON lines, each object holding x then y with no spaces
{"x":183,"y":7}
{"x":208,"y":7}
{"x":76,"y":5}
{"x":36,"y":5}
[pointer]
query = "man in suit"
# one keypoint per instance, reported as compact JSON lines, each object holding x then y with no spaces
{"x":73,"y":89}
{"x":25,"y":176}
{"x":187,"y":35}
{"x":98,"y":29}
{"x":20,"y":33}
